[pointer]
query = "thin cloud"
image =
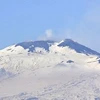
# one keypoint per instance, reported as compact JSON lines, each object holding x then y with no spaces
{"x":49,"y":33}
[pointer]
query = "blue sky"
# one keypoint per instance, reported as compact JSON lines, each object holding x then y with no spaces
{"x":23,"y":20}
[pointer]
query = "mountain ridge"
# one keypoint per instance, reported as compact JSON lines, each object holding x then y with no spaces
{"x":78,"y":47}
{"x":46,"y":44}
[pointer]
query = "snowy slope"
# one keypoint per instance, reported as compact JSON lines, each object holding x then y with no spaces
{"x":48,"y":70}
{"x":53,"y":85}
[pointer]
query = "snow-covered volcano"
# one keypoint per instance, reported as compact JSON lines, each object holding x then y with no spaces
{"x":31,"y":54}
{"x":46,"y":45}
{"x":39,"y":70}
